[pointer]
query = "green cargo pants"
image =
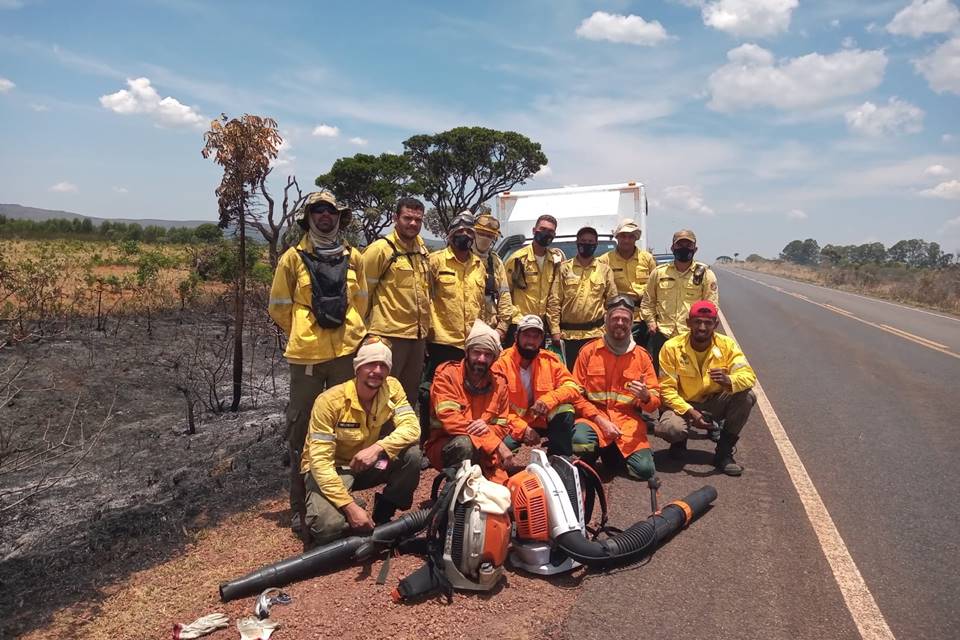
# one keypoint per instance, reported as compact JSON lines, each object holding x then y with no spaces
{"x":586,"y":444}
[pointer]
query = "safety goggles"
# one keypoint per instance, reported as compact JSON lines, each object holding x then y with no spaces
{"x":621,"y":301}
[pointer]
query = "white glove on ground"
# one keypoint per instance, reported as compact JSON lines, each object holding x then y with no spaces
{"x":200,"y":626}
{"x":253,"y":629}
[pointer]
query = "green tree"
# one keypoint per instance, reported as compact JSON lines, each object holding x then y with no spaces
{"x":466,"y":166}
{"x":244,"y":147}
{"x":371,"y":185}
{"x":208,"y":233}
{"x":755,"y":257}
{"x":869,"y":253}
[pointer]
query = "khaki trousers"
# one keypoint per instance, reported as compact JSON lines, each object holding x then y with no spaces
{"x":732,"y":409}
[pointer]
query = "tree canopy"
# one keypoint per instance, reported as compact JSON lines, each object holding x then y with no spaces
{"x":801,"y":252}
{"x":466,"y":166}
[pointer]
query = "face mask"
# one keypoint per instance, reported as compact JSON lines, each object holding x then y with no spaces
{"x":683,"y":254}
{"x":586,"y":250}
{"x":462,"y":242}
{"x":528,"y":354}
{"x":483,"y":244}
{"x":543,"y":238}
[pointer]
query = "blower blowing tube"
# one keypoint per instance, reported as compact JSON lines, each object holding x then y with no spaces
{"x":324,"y":558}
{"x":641,"y":538}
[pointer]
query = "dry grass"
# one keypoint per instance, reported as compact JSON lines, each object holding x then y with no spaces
{"x":931,"y":288}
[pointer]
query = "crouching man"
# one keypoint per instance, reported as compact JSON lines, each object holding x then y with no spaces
{"x":704,"y":376}
{"x":542,"y":391}
{"x":469,"y":404}
{"x":363,"y":433}
{"x":619,"y":382}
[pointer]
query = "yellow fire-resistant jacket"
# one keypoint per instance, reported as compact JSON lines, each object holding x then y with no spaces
{"x":399,"y":288}
{"x":670,"y":294}
{"x":683,"y":381}
{"x":456,"y":295}
{"x":498,"y":315}
{"x":529,"y":284}
{"x":631,"y":274}
{"x":290,"y":307}
{"x":340,"y":428}
{"x":578,"y":299}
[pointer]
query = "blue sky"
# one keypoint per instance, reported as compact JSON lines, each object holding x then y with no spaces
{"x":753,"y":122}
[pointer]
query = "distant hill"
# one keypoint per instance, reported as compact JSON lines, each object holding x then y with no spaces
{"x":33,"y":213}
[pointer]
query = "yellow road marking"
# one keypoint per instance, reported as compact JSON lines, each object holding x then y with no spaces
{"x":860,"y":602}
{"x":900,"y":333}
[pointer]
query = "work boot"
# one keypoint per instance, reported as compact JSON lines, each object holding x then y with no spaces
{"x":678,"y":450}
{"x":296,"y":524}
{"x":723,"y":459}
{"x":383,"y":509}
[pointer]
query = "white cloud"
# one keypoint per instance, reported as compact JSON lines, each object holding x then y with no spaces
{"x":360,"y":142}
{"x":326,"y":131}
{"x":120,"y":190}
{"x":284,"y":157}
{"x":936,"y":170}
{"x":925,"y":16}
{"x":684,"y":198}
{"x":626,"y":29}
{"x":942,"y":67}
{"x":142,"y":98}
{"x":39,"y":108}
{"x":64,"y":187}
{"x":751,"y":18}
{"x":849,"y":43}
{"x":897,"y":117}
{"x":544,"y":172}
{"x":797,"y":214}
{"x":947,"y":190}
{"x":834,"y":23}
{"x":6,"y":85}
{"x":946,"y":138}
{"x":951,"y":228}
{"x":752,"y":78}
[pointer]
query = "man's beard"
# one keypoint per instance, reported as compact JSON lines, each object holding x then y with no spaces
{"x":528,"y":354}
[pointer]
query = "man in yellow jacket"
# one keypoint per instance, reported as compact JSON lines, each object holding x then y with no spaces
{"x":318,"y":298}
{"x":458,"y":278}
{"x":576,"y":305}
{"x":704,"y":377}
{"x":671,"y":289}
{"x":498,"y":311}
{"x":631,"y":269}
{"x":532,"y":273}
{"x":398,"y":278}
{"x":363,"y":433}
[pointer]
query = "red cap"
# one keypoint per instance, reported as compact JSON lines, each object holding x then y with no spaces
{"x":703,"y":309}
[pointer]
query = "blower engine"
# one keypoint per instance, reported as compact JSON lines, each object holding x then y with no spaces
{"x":468,"y":532}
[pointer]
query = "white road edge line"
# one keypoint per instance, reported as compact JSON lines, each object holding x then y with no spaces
{"x":860,"y":602}
{"x":863,"y":297}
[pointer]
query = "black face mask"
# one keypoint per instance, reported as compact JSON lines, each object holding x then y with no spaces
{"x":586,"y":250}
{"x":543,"y":238}
{"x":683,"y":254}
{"x":462,"y":242}
{"x":528,"y":354}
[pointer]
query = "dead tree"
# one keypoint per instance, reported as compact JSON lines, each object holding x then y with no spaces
{"x":276,"y":227}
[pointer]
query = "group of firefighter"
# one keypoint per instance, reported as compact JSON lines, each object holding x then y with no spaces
{"x":586,"y":352}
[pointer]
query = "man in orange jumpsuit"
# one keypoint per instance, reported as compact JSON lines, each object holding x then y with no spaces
{"x":468,"y":409}
{"x":619,"y":382}
{"x":542,"y":391}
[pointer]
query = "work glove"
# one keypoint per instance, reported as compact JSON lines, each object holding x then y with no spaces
{"x":253,"y":629}
{"x":200,"y":626}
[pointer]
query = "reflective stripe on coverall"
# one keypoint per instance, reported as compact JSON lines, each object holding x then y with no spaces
{"x":552,"y":384}
{"x":682,"y":381}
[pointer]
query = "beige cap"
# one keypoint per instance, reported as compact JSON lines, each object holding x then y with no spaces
{"x":530,"y":321}
{"x":483,"y":336}
{"x":685,"y":234}
{"x":627,"y":226}
{"x":373,"y":351}
{"x":317,"y":197}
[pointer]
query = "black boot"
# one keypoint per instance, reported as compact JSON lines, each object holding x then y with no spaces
{"x":383,"y":509}
{"x":678,"y":450}
{"x":723,"y":459}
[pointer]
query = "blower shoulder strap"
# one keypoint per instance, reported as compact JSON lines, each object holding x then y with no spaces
{"x":595,"y":492}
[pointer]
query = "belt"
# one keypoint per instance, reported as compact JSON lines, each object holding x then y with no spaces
{"x":582,"y":326}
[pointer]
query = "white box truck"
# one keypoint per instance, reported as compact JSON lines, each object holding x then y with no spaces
{"x":600,"y":206}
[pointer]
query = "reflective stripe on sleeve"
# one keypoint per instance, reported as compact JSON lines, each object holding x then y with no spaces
{"x":738,"y":365}
{"x":402,"y":410}
{"x":448,"y":404}
{"x":323,"y":437}
{"x":281,"y":301}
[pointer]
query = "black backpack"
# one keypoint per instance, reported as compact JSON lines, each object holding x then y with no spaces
{"x":328,"y":285}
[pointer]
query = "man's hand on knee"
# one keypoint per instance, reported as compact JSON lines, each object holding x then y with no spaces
{"x":357,"y":517}
{"x":695,"y":420}
{"x":478,"y":428}
{"x":365,"y":458}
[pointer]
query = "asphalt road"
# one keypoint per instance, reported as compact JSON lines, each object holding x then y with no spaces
{"x":867,"y":393}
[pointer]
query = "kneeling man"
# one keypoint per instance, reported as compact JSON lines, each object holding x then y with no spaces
{"x":705,"y":377}
{"x":542,"y":391}
{"x":362,"y":433}
{"x":619,"y":382}
{"x":469,"y":406}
